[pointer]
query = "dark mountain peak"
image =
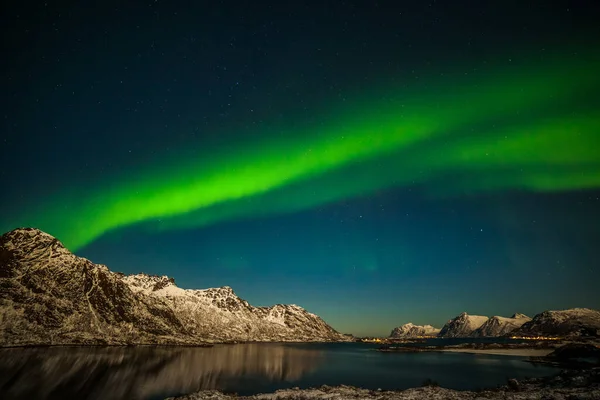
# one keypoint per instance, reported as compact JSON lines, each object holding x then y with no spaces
{"x":30,"y":249}
{"x":27,"y":238}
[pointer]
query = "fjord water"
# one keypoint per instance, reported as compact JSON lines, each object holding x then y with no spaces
{"x":158,"y":372}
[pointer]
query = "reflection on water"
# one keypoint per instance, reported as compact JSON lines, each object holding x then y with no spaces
{"x":158,"y":372}
{"x":143,"y":373}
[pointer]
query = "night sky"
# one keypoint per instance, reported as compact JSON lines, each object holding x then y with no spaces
{"x":374,"y":162}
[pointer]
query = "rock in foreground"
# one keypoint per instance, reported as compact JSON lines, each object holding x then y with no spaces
{"x":569,"y":385}
{"x":49,"y":296}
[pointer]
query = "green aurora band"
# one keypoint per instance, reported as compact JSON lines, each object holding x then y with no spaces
{"x":514,"y":129}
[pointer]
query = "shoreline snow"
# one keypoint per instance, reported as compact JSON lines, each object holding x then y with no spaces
{"x":581,"y":385}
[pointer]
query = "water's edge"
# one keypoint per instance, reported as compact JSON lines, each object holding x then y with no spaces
{"x":155,"y":372}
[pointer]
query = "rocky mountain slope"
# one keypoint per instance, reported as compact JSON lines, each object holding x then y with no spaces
{"x":463,"y":325}
{"x":50,"y":296}
{"x":205,"y":311}
{"x":572,"y":322}
{"x":500,"y":326}
{"x":410,"y":330}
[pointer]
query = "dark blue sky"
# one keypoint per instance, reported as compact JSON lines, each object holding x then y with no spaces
{"x":93,"y":91}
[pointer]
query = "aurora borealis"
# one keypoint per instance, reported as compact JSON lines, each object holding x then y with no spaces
{"x":256,"y":157}
{"x":216,"y":188}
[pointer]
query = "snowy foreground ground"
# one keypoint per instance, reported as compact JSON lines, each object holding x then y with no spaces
{"x":571,"y":385}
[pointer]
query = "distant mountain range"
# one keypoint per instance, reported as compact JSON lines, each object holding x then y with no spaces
{"x":573,"y":322}
{"x":50,"y":296}
{"x":410,"y":330}
{"x":466,"y":325}
{"x":576,"y":322}
{"x":500,"y":326}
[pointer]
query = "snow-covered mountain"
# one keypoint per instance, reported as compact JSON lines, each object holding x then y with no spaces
{"x":572,"y":322}
{"x":463,"y":325}
{"x":500,"y":326}
{"x":219,"y":314}
{"x":50,"y":296}
{"x":411,"y":330}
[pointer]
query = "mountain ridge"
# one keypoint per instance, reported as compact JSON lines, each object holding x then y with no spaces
{"x":570,"y":322}
{"x":50,"y":296}
{"x":463,"y":325}
{"x":411,"y":330}
{"x":574,"y":322}
{"x":500,"y":326}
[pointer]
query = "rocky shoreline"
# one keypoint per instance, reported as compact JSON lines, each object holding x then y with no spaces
{"x":408,"y":348}
{"x":569,"y":384}
{"x":581,"y":381}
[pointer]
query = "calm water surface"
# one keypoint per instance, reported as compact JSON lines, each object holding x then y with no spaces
{"x":155,"y":373}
